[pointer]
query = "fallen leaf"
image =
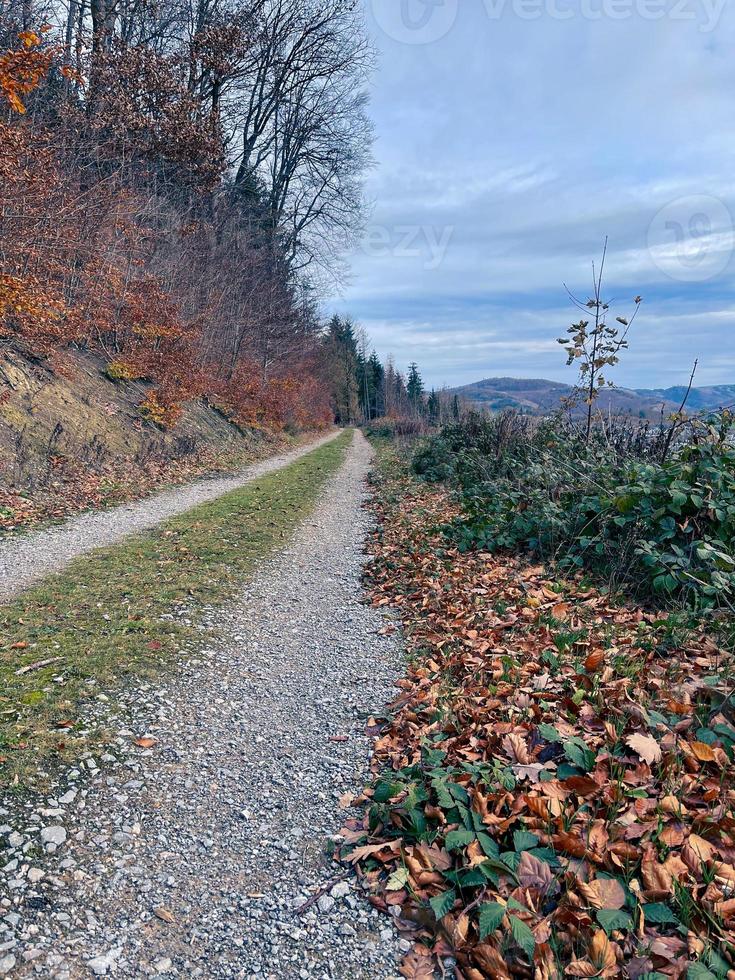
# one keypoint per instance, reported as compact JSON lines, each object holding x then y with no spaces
{"x":146,"y":742}
{"x":646,"y":747}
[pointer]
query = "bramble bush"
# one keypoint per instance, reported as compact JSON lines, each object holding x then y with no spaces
{"x":609,"y":505}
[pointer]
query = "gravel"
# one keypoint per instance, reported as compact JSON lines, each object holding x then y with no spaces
{"x":190,"y":857}
{"x":25,"y":559}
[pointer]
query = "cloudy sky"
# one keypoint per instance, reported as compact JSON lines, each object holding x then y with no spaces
{"x":512,"y":137}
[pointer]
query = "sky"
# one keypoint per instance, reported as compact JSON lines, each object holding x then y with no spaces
{"x":512,"y":138}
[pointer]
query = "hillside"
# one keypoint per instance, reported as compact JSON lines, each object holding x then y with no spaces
{"x":537,"y":396}
{"x":76,"y":438}
{"x":714,"y":396}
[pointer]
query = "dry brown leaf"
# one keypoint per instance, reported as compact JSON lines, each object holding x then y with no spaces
{"x":417,"y":964}
{"x":146,"y":742}
{"x":534,"y":873}
{"x":704,"y":752}
{"x":646,"y":747}
{"x":490,"y":961}
{"x":164,"y":914}
{"x":603,"y":893}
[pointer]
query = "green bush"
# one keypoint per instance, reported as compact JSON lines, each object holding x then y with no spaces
{"x":610,"y":505}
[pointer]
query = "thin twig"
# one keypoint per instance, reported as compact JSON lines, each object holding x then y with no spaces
{"x":322,"y":891}
{"x":677,"y":417}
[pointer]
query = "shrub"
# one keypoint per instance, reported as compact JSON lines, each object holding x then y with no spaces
{"x":393,"y":427}
{"x":657,"y":528}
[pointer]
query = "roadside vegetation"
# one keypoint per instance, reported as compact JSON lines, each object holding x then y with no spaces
{"x":127,"y":611}
{"x":654,"y":519}
{"x":553,"y":790}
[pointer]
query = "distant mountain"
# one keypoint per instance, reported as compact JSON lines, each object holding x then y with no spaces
{"x":715,"y":396}
{"x":537,"y":396}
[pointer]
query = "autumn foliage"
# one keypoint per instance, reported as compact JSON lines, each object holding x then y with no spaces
{"x":553,"y":792}
{"x":120,"y":234}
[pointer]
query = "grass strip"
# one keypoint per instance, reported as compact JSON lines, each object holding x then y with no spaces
{"x":101,"y":621}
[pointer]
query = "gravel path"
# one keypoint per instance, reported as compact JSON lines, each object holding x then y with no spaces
{"x":26,"y":559}
{"x":189,"y":858}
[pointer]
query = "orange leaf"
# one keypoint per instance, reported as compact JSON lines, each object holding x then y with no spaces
{"x":146,"y":742}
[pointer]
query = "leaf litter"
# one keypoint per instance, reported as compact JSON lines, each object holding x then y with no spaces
{"x":553,"y":784}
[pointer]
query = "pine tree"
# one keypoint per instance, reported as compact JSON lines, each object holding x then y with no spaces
{"x":433,"y":407}
{"x":415,"y":389}
{"x":343,"y":354}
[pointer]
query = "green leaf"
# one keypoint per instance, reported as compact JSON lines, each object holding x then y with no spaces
{"x":488,"y":845}
{"x":523,"y":936}
{"x":715,"y":962}
{"x":489,"y":872}
{"x":441,"y":904}
{"x":458,"y":792}
{"x":513,"y":903}
{"x":549,"y":733}
{"x":547,"y":855}
{"x":659,"y":914}
{"x":491,"y":915}
{"x":611,"y":919}
{"x":579,"y":754}
{"x":457,"y":839}
{"x":698,"y":971}
{"x":384,"y":791}
{"x":442,"y":794}
{"x":523,"y":841}
{"x":565,"y":771}
{"x":511,"y":859}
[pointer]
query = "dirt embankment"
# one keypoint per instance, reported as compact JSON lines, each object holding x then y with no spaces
{"x":74,"y":438}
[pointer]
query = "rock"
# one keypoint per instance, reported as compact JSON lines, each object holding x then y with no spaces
{"x":53,"y":835}
{"x":340,"y":890}
{"x":164,"y":965}
{"x":7,"y":963}
{"x":325,"y":903}
{"x":99,"y":966}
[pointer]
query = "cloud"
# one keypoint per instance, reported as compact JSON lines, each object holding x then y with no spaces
{"x":508,"y":149}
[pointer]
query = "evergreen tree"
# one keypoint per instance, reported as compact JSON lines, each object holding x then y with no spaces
{"x":371,"y":388}
{"x":415,"y":389}
{"x":433,"y":407}
{"x":343,"y":355}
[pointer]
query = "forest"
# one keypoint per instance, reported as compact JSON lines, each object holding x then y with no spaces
{"x":180,"y":185}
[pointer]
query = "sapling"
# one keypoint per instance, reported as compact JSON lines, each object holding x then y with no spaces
{"x":595,"y":343}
